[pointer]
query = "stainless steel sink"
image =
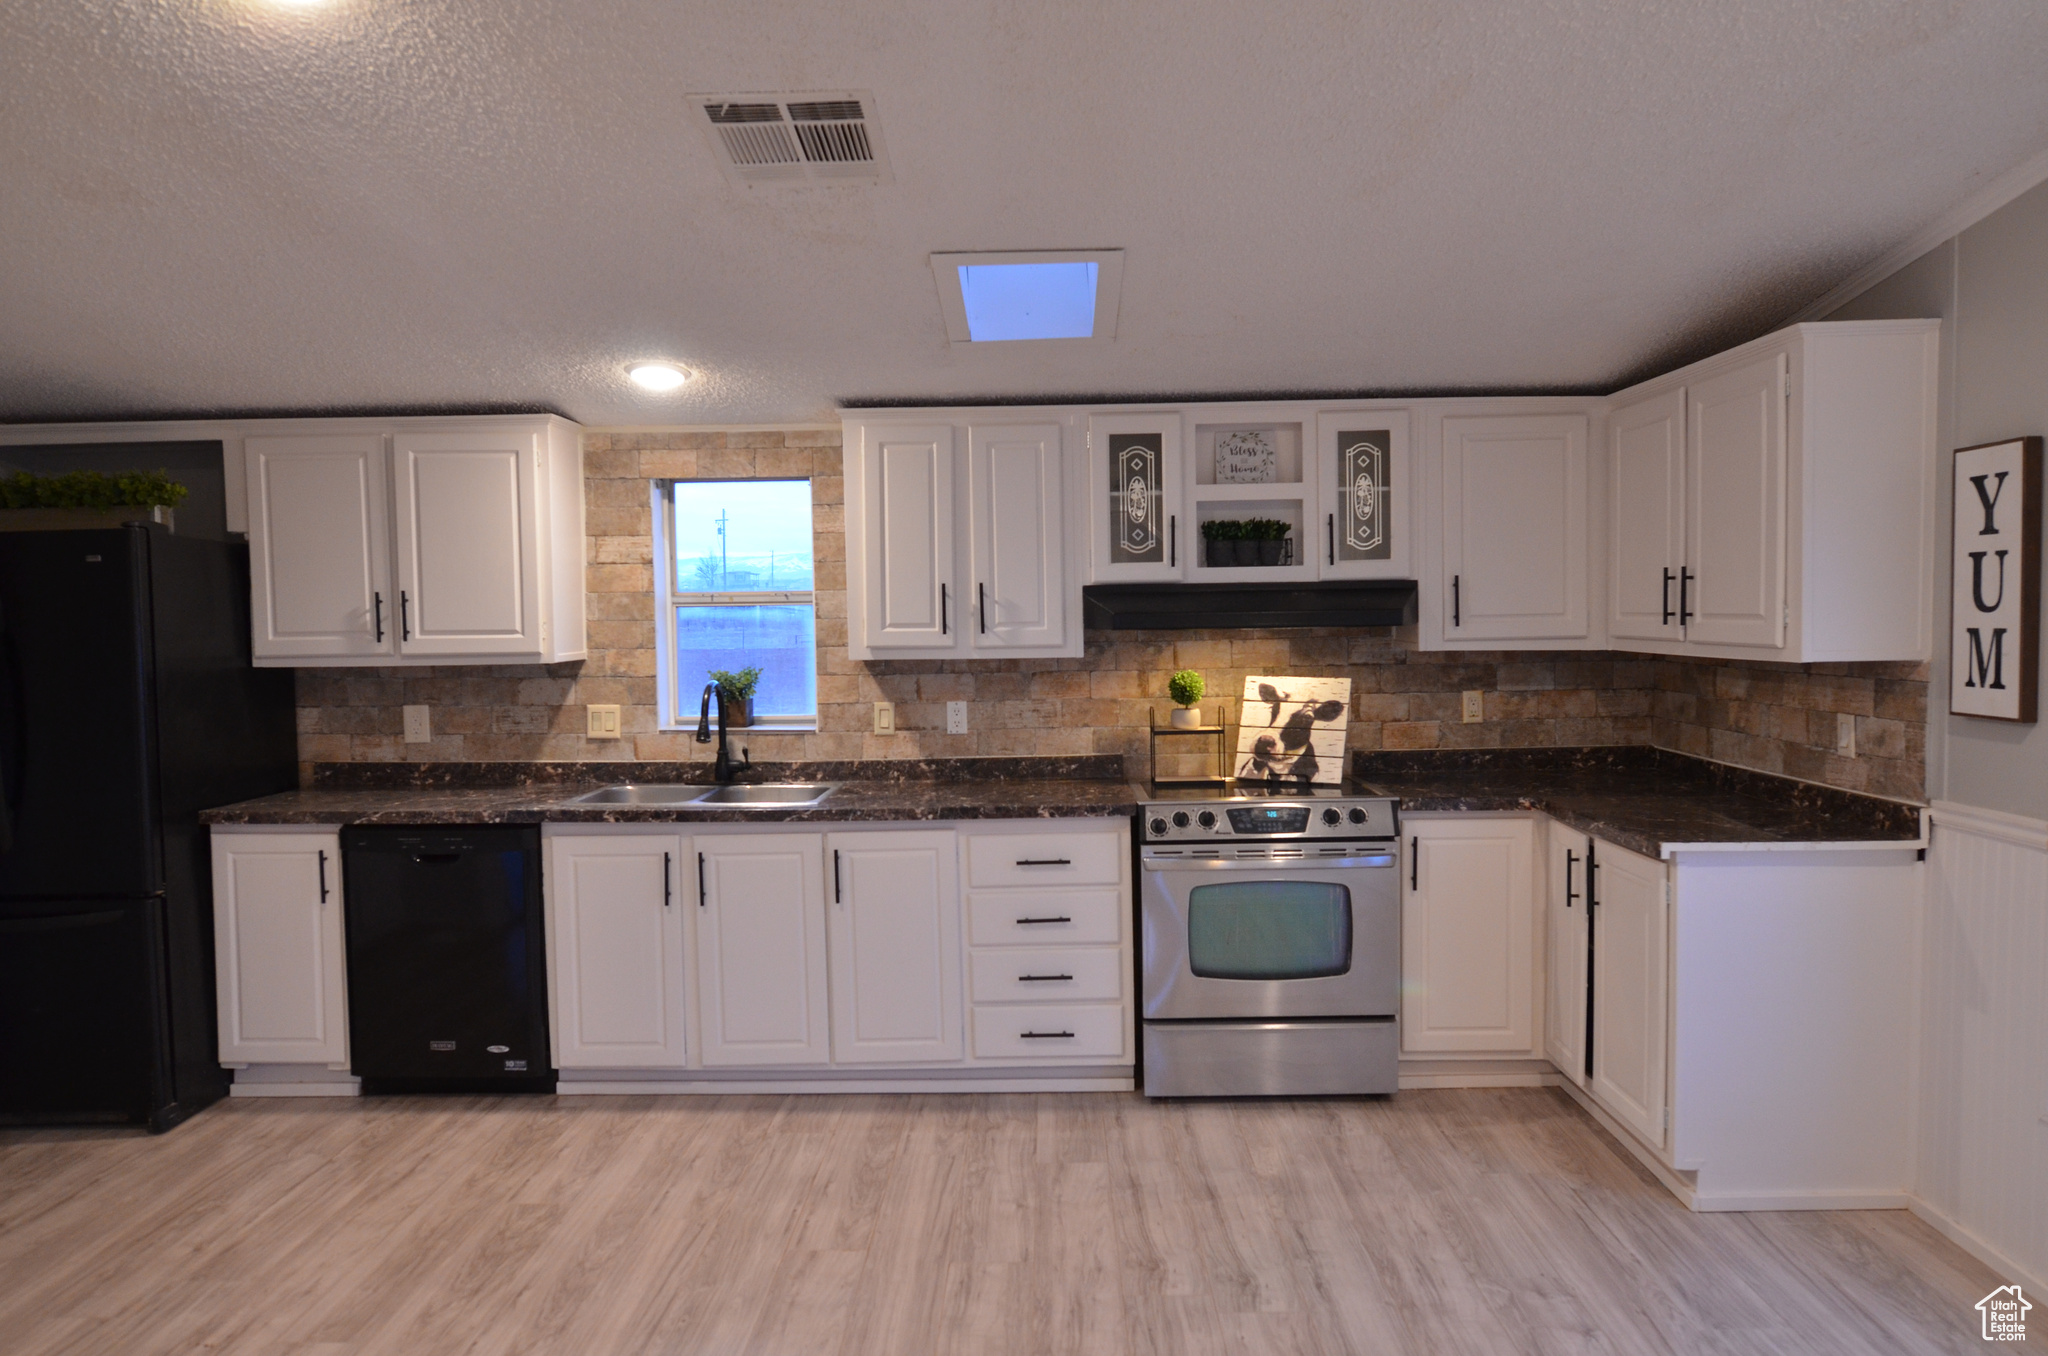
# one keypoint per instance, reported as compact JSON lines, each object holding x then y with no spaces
{"x":767,"y":795}
{"x":760,"y":795}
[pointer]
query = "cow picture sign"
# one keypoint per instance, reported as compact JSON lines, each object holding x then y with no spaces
{"x":1995,"y":639}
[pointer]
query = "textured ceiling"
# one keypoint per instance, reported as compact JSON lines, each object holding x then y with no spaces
{"x":243,"y":205}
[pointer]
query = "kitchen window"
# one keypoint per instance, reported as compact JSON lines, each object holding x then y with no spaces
{"x":733,"y":590}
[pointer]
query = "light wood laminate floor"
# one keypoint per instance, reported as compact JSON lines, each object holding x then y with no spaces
{"x":1440,"y":1222}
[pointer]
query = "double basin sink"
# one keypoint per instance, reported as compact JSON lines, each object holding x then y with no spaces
{"x":757,"y":796}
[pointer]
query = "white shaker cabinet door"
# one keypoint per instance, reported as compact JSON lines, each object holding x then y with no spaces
{"x":1564,"y":1034}
{"x":1016,"y":485}
{"x":319,"y":562}
{"x":1514,"y":528}
{"x":902,"y":544}
{"x":1647,"y":525}
{"x":1735,"y":507}
{"x":468,"y":527}
{"x":761,"y":987}
{"x":1630,"y":960}
{"x":1467,"y":937}
{"x":615,"y":951}
{"x":895,"y":947}
{"x":281,"y":981}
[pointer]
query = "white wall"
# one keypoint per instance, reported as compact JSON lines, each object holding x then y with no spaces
{"x":1983,"y":1080}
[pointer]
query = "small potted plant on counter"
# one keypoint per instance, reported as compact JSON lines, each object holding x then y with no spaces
{"x":736,"y":690}
{"x":1186,"y":688}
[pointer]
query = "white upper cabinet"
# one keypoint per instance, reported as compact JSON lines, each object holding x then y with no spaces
{"x":894,"y":928}
{"x":1134,"y":499}
{"x":319,"y":563}
{"x":957,"y":537}
{"x":1646,"y":478}
{"x":1791,"y":500}
{"x":1253,"y":465}
{"x":430,"y":542}
{"x":282,"y":978}
{"x":1362,"y":492}
{"x":761,"y":949}
{"x":1514,"y":529}
{"x":1017,"y":489}
{"x":615,"y":917}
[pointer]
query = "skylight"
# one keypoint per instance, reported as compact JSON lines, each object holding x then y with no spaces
{"x":1036,"y":296}
{"x":1028,"y":301}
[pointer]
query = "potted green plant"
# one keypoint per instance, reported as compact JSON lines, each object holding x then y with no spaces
{"x":1271,"y":539}
{"x":1186,"y":688}
{"x":1220,"y":539}
{"x":30,"y":503}
{"x":736,"y":694}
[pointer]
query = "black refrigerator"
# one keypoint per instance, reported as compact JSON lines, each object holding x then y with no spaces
{"x":127,"y":705}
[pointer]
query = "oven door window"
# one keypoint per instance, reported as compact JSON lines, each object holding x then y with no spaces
{"x":1269,"y":929}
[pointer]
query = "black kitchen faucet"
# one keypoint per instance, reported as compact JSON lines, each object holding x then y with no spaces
{"x":723,"y":770}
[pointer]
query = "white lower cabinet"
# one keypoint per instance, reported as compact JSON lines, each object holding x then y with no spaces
{"x":894,"y":928}
{"x":761,"y":988}
{"x":1630,"y":955}
{"x":278,"y":948}
{"x":1564,"y":1026}
{"x":615,"y":920}
{"x":1468,"y":927}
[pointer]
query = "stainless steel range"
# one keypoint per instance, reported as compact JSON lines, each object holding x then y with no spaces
{"x":1272,"y":942}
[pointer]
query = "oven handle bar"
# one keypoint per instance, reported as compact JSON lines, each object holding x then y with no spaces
{"x":1375,"y":861}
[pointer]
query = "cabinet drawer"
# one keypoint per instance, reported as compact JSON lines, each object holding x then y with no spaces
{"x":1062,"y":975}
{"x":1087,"y":857}
{"x":1046,"y":1031}
{"x":1039,"y":917}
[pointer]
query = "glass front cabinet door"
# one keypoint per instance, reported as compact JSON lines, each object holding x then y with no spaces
{"x":1134,"y":494}
{"x":1362,"y":462}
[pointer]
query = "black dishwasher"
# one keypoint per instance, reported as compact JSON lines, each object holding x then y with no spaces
{"x":447,"y":982}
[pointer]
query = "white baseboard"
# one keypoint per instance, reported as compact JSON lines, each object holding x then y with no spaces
{"x":2011,"y":1272}
{"x":667,"y":1087}
{"x":1801,"y":1200}
{"x":1483,"y":1079}
{"x":350,"y":1089}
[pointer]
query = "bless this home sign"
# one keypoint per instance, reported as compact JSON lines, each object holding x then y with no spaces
{"x":1995,"y":642}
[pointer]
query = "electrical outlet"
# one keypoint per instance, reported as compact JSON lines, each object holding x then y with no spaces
{"x":1475,"y":707}
{"x":885,"y":717}
{"x":601,"y":722}
{"x":956,"y":717}
{"x":1845,"y":735}
{"x":417,"y":728}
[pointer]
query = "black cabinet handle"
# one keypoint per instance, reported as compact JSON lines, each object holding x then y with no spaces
{"x":1667,"y":597}
{"x":1040,"y":979}
{"x":835,"y":877}
{"x":942,"y":610}
{"x":1457,"y":604}
{"x":1045,"y":861}
{"x":323,"y":877}
{"x":1333,"y":539}
{"x":1414,"y":862}
{"x":1592,"y":881}
{"x":1571,"y":859}
{"x":1172,"y":541}
{"x":1045,"y":1035}
{"x":404,"y":616}
{"x":1062,"y":918}
{"x":1685,"y":578}
{"x":700,"y":880}
{"x":980,"y":607}
{"x":377,"y":615}
{"x":667,"y":884}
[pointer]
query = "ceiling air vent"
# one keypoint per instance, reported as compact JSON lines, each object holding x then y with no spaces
{"x":795,"y":138}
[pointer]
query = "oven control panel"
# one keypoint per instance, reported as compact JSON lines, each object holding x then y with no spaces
{"x":1193,"y":821}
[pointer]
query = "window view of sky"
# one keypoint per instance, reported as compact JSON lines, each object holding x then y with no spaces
{"x":733,"y":535}
{"x":1028,"y":301}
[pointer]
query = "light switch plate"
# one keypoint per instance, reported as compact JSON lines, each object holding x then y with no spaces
{"x":1845,"y":734}
{"x":601,"y":722}
{"x":1475,"y":707}
{"x":956,"y":717}
{"x":885,"y":717}
{"x":418,"y":730}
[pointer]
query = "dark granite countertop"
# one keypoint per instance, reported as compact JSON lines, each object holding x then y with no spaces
{"x":1639,"y":798}
{"x":536,"y":793}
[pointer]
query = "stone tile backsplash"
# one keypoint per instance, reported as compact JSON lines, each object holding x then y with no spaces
{"x":1771,"y":717}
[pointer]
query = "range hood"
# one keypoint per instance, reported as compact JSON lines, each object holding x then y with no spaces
{"x":1190,"y":607}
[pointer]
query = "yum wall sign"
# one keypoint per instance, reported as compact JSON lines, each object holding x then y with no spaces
{"x":1995,"y":642}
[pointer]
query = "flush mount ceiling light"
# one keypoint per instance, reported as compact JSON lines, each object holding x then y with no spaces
{"x":1027,"y":296}
{"x":658,"y":376}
